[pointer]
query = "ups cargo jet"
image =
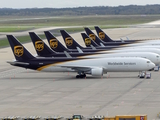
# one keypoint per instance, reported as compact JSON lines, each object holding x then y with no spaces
{"x":58,"y":47}
{"x":104,"y":37}
{"x":72,"y":44}
{"x":55,"y":45}
{"x":115,"y":49}
{"x":102,"y":43}
{"x":94,"y":67}
{"x":90,"y":43}
{"x":94,"y":46}
{"x":44,"y":51}
{"x":155,"y":58}
{"x":122,"y":44}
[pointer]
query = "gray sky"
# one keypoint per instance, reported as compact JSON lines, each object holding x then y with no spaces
{"x":70,"y":3}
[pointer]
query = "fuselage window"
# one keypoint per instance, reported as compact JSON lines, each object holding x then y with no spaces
{"x":148,"y":61}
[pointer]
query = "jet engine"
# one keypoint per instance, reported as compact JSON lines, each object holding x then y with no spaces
{"x":97,"y":72}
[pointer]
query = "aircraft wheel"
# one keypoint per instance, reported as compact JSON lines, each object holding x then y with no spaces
{"x":77,"y":76}
{"x":81,"y":76}
{"x":84,"y":75}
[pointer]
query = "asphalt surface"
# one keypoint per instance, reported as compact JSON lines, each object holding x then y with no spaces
{"x":28,"y":93}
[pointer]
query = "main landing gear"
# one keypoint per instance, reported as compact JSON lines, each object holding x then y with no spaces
{"x":81,"y":76}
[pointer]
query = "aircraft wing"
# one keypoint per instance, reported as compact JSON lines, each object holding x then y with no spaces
{"x":81,"y":68}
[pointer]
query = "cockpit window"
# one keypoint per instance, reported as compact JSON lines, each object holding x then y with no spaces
{"x":148,"y":61}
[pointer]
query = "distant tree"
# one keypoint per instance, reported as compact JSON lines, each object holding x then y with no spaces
{"x":97,"y":10}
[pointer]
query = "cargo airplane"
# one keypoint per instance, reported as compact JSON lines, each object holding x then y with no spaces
{"x":121,"y":44}
{"x":75,"y":45}
{"x":92,"y":45}
{"x":55,"y":45}
{"x":104,"y":37}
{"x":83,"y":66}
{"x":44,"y":51}
{"x":155,"y":58}
{"x":115,"y":49}
{"x":89,"y":42}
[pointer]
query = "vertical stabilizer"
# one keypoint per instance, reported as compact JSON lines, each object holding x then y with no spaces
{"x":88,"y":41}
{"x":41,"y":48}
{"x":69,"y":41}
{"x":19,"y":51}
{"x":93,"y":36}
{"x":54,"y":43}
{"x":102,"y":35}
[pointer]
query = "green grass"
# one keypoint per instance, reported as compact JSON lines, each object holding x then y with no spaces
{"x":79,"y":29}
{"x":22,"y":39}
{"x":14,"y":29}
{"x":22,"y":23}
{"x":17,"y":23}
{"x":3,"y":43}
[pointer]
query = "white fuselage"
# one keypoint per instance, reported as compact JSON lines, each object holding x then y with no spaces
{"x":139,"y":47}
{"x":154,"y":43}
{"x":116,"y":64}
{"x":154,"y":50}
{"x":154,"y":57}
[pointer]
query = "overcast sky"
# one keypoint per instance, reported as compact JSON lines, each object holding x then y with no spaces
{"x":70,"y":3}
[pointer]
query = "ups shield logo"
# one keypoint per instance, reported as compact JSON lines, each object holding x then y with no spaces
{"x":92,"y":36}
{"x":88,"y":41}
{"x":101,"y":35}
{"x":39,"y":45}
{"x":18,"y":51}
{"x":53,"y":43}
{"x":69,"y":41}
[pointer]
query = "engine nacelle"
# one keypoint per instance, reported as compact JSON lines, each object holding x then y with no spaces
{"x":97,"y":72}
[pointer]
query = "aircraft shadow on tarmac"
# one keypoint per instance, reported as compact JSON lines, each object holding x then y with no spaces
{"x":35,"y":75}
{"x":67,"y":77}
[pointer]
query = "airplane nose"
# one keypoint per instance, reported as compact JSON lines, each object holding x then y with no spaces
{"x":158,"y":61}
{"x":152,"y":65}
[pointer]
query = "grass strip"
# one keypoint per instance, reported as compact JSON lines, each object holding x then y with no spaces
{"x":22,"y":39}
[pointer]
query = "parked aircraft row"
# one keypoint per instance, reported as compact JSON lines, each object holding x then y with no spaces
{"x":152,"y":54}
{"x":96,"y":59}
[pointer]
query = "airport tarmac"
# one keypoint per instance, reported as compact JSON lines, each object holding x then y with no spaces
{"x":28,"y":93}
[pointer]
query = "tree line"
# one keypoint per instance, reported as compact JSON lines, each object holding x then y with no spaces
{"x":98,"y":10}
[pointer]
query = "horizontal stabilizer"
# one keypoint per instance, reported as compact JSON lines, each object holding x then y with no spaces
{"x":15,"y":63}
{"x":67,"y":54}
{"x":102,"y":45}
{"x":79,"y":50}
